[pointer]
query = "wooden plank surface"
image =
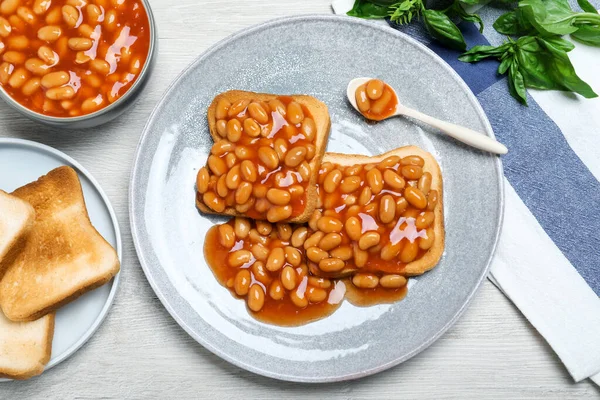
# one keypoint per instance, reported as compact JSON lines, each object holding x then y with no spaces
{"x":140,"y":352}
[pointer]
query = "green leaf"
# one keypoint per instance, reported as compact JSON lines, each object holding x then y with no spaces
{"x":560,"y":43}
{"x":368,"y":10}
{"x":457,"y":10}
{"x":587,"y":34}
{"x":555,"y":17}
{"x":516,"y":84}
{"x":478,"y":53}
{"x":513,"y":23}
{"x":586,"y":6}
{"x":403,"y":13}
{"x":469,"y":2}
{"x":504,"y":65}
{"x":441,"y":28}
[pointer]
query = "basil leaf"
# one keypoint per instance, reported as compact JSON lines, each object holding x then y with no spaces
{"x":441,"y":28}
{"x":457,"y":10}
{"x":586,"y":6}
{"x":555,"y":17}
{"x":368,"y":10}
{"x":504,"y":64}
{"x":477,"y":53}
{"x":560,"y":43}
{"x":516,"y":83}
{"x":513,"y":23}
{"x":469,"y":2}
{"x":587,"y":34}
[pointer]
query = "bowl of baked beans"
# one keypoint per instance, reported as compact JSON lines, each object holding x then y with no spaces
{"x":74,"y":63}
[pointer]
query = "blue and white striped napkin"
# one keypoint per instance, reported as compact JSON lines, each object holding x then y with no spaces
{"x":548,"y":258}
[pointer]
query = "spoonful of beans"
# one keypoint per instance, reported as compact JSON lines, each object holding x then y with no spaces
{"x":377,"y":101}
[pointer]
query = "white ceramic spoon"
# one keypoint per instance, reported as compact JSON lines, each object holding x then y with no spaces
{"x":465,"y":135}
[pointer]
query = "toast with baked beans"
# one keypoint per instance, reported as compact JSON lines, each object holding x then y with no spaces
{"x":265,"y":158}
{"x":380,"y":215}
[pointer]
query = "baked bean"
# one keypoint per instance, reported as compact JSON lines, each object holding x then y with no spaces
{"x":350,"y":184}
{"x":281,"y":148}
{"x":41,"y":6}
{"x":389,"y":162}
{"x":288,"y":278}
{"x":368,"y":240}
{"x":299,"y":236}
{"x":47,"y":55}
{"x":26,"y":15}
{"x":14,"y":57}
{"x":92,"y":104}
{"x":424,"y":183}
{"x":18,"y":78}
{"x":243,"y":153}
{"x":60,"y":93}
{"x":233,"y":178}
{"x":350,"y":199}
{"x":276,"y":290}
{"x":279,"y":213}
{"x":260,"y":273}
{"x":425,"y":243}
{"x":9,"y":6}
{"x":251,"y":128}
{"x":432,"y":200}
{"x":110,"y":21}
{"x":268,"y":157}
{"x":277,"y":106}
{"x":17,"y":23}
{"x":234,"y":130}
{"x":309,"y":129}
{"x":242,"y":282}
{"x":375,"y":180}
{"x":80,"y":44}
{"x":374,"y":89}
{"x":413,"y":160}
{"x":94,"y":13}
{"x":412,"y":172}
{"x":230,"y":160}
{"x":241,"y":227}
{"x":293,"y":256}
{"x":248,"y":171}
{"x":36,"y":66}
{"x":424,"y":220}
{"x":299,"y":299}
{"x":371,"y":209}
{"x":331,"y":265}
{"x":216,"y":164}
{"x":222,"y":189}
{"x":259,"y":251}
{"x":256,"y":297}
{"x":5,"y":27}
{"x":353,"y":228}
{"x":329,"y":224}
{"x":360,"y":256}
{"x":316,"y":295}
{"x":243,"y":192}
{"x":401,"y":205}
{"x":365,"y":281}
{"x":392,"y":281}
{"x":295,"y":156}
{"x":6,"y":70}
{"x":226,"y":236}
{"x":314,"y":218}
{"x":311,"y":150}
{"x":221,"y":147}
{"x":264,"y":228}
{"x":260,"y":191}
{"x":353,"y":170}
{"x":222,"y":108}
{"x":256,"y":237}
{"x":238,"y":108}
{"x":342,"y":252}
{"x":393,"y":180}
{"x":317,"y":282}
{"x":304,"y":170}
{"x":202,"y":180}
{"x":379,"y":105}
{"x":330,"y":241}
{"x":55,"y":79}
{"x":295,"y":115}
{"x":365,"y":196}
{"x":18,"y":42}
{"x":296,"y":191}
{"x":278,"y":197}
{"x":362,"y":100}
{"x":257,"y":112}
{"x":353,"y":211}
{"x":316,"y":254}
{"x":70,"y":15}
{"x":262,"y":205}
{"x":332,"y":180}
{"x":275,"y":260}
{"x":54,"y":16}
{"x":391,"y":251}
{"x":415,"y":197}
{"x":409,"y":252}
{"x":387,"y":209}
{"x":239,"y":257}
{"x":412,"y":213}
{"x":31,"y":86}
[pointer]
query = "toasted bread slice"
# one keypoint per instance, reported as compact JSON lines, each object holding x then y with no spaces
{"x":64,"y":256}
{"x":433,"y":255}
{"x":320,"y":114}
{"x":16,"y":220}
{"x":25,"y":347}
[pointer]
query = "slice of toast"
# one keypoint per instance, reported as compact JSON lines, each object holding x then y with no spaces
{"x":64,"y":256}
{"x":16,"y":220}
{"x":433,"y":255}
{"x":320,"y":115}
{"x":25,"y":347}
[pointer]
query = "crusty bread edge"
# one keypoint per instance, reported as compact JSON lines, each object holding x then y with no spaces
{"x":41,"y":365}
{"x":320,"y":114}
{"x":18,"y":242}
{"x":432,"y":257}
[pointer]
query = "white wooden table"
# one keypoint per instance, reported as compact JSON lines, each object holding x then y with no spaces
{"x":141,"y":352}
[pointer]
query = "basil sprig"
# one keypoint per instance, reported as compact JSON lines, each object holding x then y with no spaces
{"x":533,"y":62}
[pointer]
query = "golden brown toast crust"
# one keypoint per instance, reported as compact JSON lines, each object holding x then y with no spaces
{"x":432,"y":257}
{"x":64,"y":256}
{"x":17,"y":242}
{"x":320,"y":115}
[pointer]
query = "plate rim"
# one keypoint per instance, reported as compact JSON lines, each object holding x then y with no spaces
{"x":138,"y":155}
{"x":70,"y":351}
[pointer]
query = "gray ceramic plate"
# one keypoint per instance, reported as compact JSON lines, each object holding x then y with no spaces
{"x":315,"y":55}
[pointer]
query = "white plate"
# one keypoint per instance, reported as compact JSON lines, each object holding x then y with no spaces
{"x":23,"y":161}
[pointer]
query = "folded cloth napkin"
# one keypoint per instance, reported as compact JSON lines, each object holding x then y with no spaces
{"x":548,"y":257}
